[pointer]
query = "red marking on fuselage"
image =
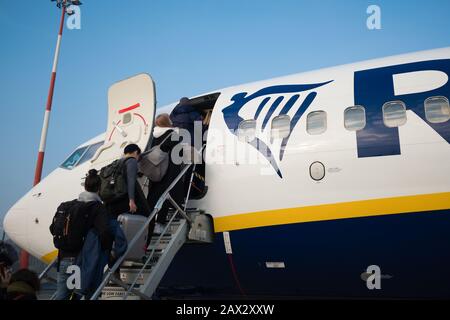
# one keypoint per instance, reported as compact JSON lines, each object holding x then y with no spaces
{"x":140,"y":116}
{"x":134,"y":106}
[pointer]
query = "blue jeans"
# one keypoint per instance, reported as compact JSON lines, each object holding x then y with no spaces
{"x":62,"y":292}
{"x":120,"y":241}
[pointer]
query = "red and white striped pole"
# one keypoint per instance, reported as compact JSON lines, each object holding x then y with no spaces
{"x":24,"y":256}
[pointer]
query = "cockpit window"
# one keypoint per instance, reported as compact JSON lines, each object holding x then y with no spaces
{"x":73,"y":159}
{"x":90,"y":152}
{"x":81,"y":155}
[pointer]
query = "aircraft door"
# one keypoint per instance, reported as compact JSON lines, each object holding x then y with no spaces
{"x":131,"y":111}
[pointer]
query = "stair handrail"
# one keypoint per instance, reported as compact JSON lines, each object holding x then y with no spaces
{"x":148,"y":259}
{"x":47,"y":269}
{"x":158,"y":241}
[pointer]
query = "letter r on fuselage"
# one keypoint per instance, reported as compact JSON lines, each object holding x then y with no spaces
{"x":375,"y":87}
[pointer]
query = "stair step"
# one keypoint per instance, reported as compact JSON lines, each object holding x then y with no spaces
{"x":135,"y":265}
{"x":158,"y":247}
{"x":164,"y":238}
{"x":116,"y":293}
{"x":131,"y":264}
{"x":154,"y":259}
{"x":129,"y":275}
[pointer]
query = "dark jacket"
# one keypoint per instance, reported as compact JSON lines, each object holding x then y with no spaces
{"x":3,"y":294}
{"x":21,"y":290}
{"x":161,"y":134}
{"x":98,"y":219}
{"x":183,"y":116}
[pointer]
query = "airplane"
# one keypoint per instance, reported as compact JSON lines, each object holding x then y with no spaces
{"x":327,"y":175}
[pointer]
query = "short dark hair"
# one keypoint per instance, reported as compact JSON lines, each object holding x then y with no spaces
{"x":92,"y":182}
{"x":132,"y":148}
{"x":27,"y":276}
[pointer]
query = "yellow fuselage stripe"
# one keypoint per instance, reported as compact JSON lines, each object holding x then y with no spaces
{"x":49,"y":257}
{"x":344,"y":210}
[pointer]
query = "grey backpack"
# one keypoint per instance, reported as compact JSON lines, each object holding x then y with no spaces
{"x":154,"y":163}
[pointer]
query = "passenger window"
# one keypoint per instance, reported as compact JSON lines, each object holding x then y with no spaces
{"x":394,"y":114}
{"x":316,"y":122}
{"x":73,"y":159}
{"x":281,"y":126}
{"x":437,"y":109}
{"x":90,"y":152}
{"x":355,"y":118}
{"x":247,"y":130}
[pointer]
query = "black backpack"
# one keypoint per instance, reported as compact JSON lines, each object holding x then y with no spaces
{"x":114,"y":181}
{"x":70,"y":225}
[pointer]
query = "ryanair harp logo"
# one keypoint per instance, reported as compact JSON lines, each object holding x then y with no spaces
{"x":273,"y":96}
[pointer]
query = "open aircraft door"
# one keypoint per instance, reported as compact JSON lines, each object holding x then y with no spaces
{"x":131,"y":112}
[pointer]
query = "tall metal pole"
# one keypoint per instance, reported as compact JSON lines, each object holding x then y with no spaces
{"x":24,"y":256}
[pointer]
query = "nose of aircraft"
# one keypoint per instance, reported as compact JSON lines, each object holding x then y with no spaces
{"x":15,"y":226}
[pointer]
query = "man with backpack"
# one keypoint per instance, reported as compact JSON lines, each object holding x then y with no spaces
{"x":71,"y":224}
{"x":120,"y":189}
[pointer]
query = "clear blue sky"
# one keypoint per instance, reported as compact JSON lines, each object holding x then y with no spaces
{"x":189,"y":47}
